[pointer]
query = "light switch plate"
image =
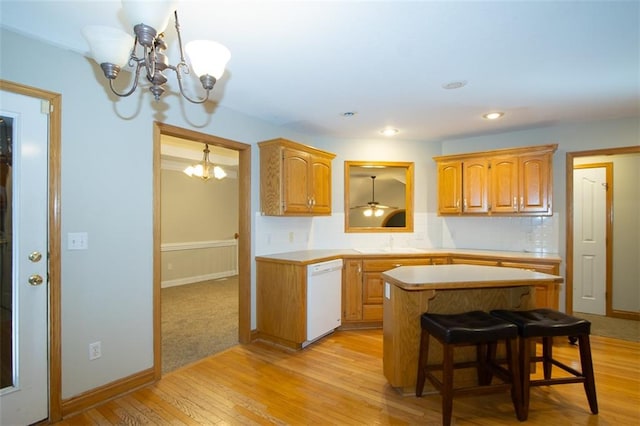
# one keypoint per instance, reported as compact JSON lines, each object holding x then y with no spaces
{"x":77,"y":241}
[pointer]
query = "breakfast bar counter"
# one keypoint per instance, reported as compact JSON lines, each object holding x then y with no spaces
{"x":409,"y":291}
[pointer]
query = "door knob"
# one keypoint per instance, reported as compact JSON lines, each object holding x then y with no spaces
{"x":35,"y":280}
{"x":35,"y":256}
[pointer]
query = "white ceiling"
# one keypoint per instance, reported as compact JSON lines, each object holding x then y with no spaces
{"x":301,"y":64}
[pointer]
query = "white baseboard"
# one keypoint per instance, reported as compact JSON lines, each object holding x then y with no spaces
{"x":197,"y":279}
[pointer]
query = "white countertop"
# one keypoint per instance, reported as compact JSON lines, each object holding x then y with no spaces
{"x":314,"y":256}
{"x":463,"y":276}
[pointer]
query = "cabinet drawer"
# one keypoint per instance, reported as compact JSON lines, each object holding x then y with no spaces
{"x":538,"y":267}
{"x":381,"y":265}
{"x":482,"y":262}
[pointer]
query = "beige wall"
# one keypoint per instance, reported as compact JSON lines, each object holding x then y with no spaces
{"x":194,"y":210}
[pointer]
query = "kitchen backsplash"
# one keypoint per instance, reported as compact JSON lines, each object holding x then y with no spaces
{"x":532,"y":234}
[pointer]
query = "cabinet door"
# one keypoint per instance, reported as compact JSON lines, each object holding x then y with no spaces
{"x":475,"y":183}
{"x":352,"y":290}
{"x":534,"y":184}
{"x":372,"y":288}
{"x":449,"y":187}
{"x":296,"y":182}
{"x":320,"y":182}
{"x":504,"y":185}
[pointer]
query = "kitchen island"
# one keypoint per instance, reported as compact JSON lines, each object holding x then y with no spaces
{"x":410,"y":291}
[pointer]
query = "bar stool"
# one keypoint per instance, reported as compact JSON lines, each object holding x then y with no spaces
{"x":547,"y":324}
{"x":466,"y":329}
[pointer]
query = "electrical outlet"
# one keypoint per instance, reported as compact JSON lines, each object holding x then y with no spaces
{"x":290,"y":237}
{"x":95,"y":350}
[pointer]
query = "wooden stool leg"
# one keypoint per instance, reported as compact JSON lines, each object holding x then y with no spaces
{"x":525,"y":371}
{"x":547,"y":356}
{"x":482,"y":359}
{"x":587,"y":370}
{"x":447,"y":383}
{"x":516,"y":378}
{"x":422,"y":362}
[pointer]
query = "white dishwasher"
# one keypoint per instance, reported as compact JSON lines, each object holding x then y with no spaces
{"x":324,"y":299}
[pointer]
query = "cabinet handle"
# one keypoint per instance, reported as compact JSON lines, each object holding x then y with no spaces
{"x":515,"y":204}
{"x":521,"y":203}
{"x":457,"y":203}
{"x":464,"y":205}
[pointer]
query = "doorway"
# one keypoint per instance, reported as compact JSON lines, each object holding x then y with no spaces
{"x":244,"y":229}
{"x":199,"y":224}
{"x":622,"y":271}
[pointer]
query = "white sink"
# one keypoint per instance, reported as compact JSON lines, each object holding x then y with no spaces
{"x":385,"y":250}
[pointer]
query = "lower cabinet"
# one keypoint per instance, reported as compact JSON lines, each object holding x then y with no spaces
{"x":363,"y":289}
{"x":281,"y":304}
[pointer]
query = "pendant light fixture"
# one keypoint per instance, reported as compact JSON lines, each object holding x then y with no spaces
{"x":205,"y":169}
{"x":373,"y":208}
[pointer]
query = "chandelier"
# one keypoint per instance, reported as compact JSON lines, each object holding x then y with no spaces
{"x":111,"y":48}
{"x":205,"y":169}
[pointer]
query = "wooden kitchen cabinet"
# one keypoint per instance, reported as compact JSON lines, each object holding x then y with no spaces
{"x":281,"y":301}
{"x":295,"y":179}
{"x":363,"y":288}
{"x":514,"y":181}
{"x":521,"y":184}
{"x":352,"y":290}
{"x":475,"y":185}
{"x":449,"y":187}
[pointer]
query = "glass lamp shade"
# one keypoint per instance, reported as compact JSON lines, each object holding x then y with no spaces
{"x":153,"y":13}
{"x":108,"y":44}
{"x":208,"y":57}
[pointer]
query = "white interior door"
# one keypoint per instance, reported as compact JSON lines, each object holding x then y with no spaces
{"x":589,"y":240}
{"x":23,"y":246}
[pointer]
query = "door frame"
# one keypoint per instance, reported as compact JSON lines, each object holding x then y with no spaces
{"x":244,"y":229}
{"x":54,"y":242}
{"x":569,"y":229}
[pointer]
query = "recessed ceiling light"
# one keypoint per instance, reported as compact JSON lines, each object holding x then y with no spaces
{"x":348,"y":114}
{"x":388,"y":131}
{"x":493,"y":115}
{"x":454,"y":84}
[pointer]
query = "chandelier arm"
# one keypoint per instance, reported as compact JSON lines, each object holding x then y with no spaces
{"x":179,"y":77}
{"x":135,"y":81}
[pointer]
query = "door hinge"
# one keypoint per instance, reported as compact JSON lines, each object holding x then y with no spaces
{"x":46,"y":107}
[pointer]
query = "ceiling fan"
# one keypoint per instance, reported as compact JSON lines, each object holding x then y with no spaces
{"x":373,"y":208}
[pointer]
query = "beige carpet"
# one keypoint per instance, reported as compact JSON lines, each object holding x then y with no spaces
{"x":198,"y":320}
{"x":616,"y":328}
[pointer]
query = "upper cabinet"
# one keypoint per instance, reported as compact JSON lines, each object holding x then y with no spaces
{"x":508,"y":181}
{"x":295,"y":179}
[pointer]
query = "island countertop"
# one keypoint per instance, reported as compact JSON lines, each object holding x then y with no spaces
{"x":410,"y":291}
{"x":448,"y":277}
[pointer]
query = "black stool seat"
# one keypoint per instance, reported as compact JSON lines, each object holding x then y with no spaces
{"x":544,"y":322}
{"x":547,"y":324}
{"x":468,"y":327}
{"x":477,"y":329}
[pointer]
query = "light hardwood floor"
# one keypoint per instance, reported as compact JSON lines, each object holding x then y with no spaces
{"x":339,"y":380}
